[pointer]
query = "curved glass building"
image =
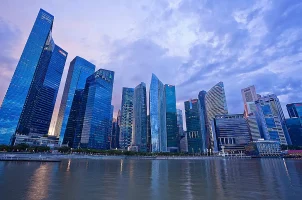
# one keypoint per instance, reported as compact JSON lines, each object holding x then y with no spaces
{"x":29,"y":102}
{"x":216,"y":104}
{"x":157,"y":109}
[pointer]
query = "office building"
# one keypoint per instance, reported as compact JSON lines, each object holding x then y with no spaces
{"x":28,"y":104}
{"x":126,"y":117}
{"x":114,"y":135}
{"x":231,"y":133}
{"x":183,"y":143}
{"x":272,"y":119}
{"x":294,"y":110}
{"x":203,"y":119}
{"x":180,"y":124}
{"x":97,"y":98}
{"x":69,"y":111}
{"x":194,"y":135}
{"x":249,"y":97}
{"x":157,"y":110}
{"x":171,"y":119}
{"x":215,"y":105}
{"x":263,"y":148}
{"x":294,"y":127}
{"x":139,"y":136}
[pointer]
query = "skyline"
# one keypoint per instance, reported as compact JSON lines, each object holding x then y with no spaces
{"x":188,"y":46}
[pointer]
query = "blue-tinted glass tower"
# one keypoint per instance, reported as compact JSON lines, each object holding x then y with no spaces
{"x":79,"y":70}
{"x":139,"y":136}
{"x":294,"y":127}
{"x":203,"y":120}
{"x":194,"y":136}
{"x":157,"y":109}
{"x":171,"y":118}
{"x":294,"y":110}
{"x":29,"y":101}
{"x":126,"y":117}
{"x":97,"y":98}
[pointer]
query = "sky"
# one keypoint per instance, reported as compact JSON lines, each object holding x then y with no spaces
{"x":192,"y":44}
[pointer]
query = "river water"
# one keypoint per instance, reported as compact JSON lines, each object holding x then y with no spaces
{"x":152,"y":179}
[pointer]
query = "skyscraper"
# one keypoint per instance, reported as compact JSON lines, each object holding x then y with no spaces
{"x":78,"y":72}
{"x":171,"y":118}
{"x":126,"y":117}
{"x":272,"y":119}
{"x":294,"y":127}
{"x":110,"y":127}
{"x":230,"y":132}
{"x":203,"y":120}
{"x":157,"y":109}
{"x":29,"y":101}
{"x":249,"y":97}
{"x":115,"y":134}
{"x":294,"y":110}
{"x":215,"y":105}
{"x":139,"y":136}
{"x":194,"y":135}
{"x":97,"y":98}
{"x":180,"y":123}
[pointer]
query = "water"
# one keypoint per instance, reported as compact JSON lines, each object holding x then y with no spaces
{"x":152,"y":179}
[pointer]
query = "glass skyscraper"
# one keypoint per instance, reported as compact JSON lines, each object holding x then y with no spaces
{"x":203,"y":120}
{"x":139,"y":136}
{"x":294,"y":110}
{"x":79,"y":70}
{"x":97,"y":98}
{"x":194,"y":135}
{"x":294,"y":127}
{"x":272,"y":119}
{"x":180,"y":123}
{"x":29,"y":101}
{"x":231,"y":132}
{"x":215,"y":105}
{"x":157,"y":110}
{"x":126,"y":117}
{"x":171,"y":118}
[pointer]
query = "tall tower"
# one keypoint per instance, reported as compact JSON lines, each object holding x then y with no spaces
{"x":126,"y":117}
{"x":171,"y":118}
{"x":180,"y":123}
{"x":157,"y":109}
{"x":139,"y":132}
{"x":215,"y":105}
{"x":97,"y":98}
{"x":203,"y":120}
{"x":29,"y":101}
{"x":78,"y":72}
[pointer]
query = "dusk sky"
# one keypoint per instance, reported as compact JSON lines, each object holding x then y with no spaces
{"x":192,"y":44}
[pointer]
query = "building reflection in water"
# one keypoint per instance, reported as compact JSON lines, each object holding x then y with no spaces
{"x":39,"y":182}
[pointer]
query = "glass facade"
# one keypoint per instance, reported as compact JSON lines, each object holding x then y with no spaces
{"x":139,"y":137}
{"x":215,"y":105}
{"x":231,"y":133}
{"x":180,"y":123}
{"x":203,"y":120}
{"x":157,"y":110}
{"x":78,"y":72}
{"x":39,"y":60}
{"x":97,"y":98}
{"x":171,"y":118}
{"x":126,"y":117}
{"x":294,"y":110}
{"x":194,"y":135}
{"x":272,"y":119}
{"x":294,"y":127}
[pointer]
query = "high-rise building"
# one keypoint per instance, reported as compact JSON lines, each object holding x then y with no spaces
{"x":148,"y":134}
{"x":110,"y":127}
{"x":194,"y":135}
{"x":126,"y":117}
{"x":171,"y":119}
{"x":69,"y":112}
{"x":272,"y":119}
{"x":216,"y":104}
{"x":203,"y":120}
{"x":249,"y":97}
{"x":157,"y":110}
{"x":139,"y":133}
{"x":184,"y":143}
{"x":115,"y":135}
{"x":231,"y":133}
{"x":180,"y":124}
{"x":29,"y":101}
{"x":294,"y":127}
{"x":294,"y":110}
{"x":97,"y":98}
